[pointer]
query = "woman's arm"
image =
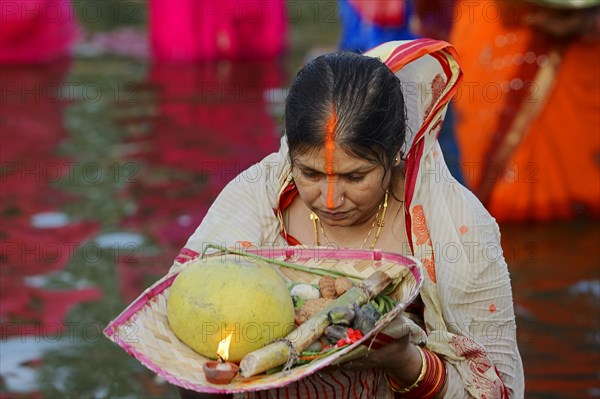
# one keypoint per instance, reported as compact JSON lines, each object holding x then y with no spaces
{"x":469,"y":310}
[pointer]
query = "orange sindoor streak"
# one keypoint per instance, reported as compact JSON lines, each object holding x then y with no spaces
{"x":329,"y":151}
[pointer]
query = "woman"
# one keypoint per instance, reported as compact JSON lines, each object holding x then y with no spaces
{"x":360,"y":167}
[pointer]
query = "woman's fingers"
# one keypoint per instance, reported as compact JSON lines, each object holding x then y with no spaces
{"x":388,"y":356}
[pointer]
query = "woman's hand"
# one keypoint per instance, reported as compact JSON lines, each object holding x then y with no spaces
{"x":400,"y":359}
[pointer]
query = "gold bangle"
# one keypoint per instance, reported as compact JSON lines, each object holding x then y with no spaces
{"x":394,"y":387}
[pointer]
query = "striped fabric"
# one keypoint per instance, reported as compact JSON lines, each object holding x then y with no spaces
{"x":469,"y":316}
{"x":337,"y":384}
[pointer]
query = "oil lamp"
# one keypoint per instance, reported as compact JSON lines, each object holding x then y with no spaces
{"x":221,"y":371}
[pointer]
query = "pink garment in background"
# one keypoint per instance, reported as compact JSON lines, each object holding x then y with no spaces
{"x":194,"y":30}
{"x":35,"y":31}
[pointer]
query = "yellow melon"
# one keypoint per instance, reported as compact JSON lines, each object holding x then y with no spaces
{"x":211,"y":299}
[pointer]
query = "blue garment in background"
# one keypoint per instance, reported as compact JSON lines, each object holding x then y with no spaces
{"x":448,"y":143}
{"x":359,"y":35}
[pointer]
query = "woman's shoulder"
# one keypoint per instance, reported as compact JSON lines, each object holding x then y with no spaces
{"x":470,"y":230}
{"x":470,"y":214}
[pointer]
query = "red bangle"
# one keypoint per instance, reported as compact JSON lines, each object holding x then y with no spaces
{"x":432,"y":382}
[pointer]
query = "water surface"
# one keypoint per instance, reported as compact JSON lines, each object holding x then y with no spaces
{"x":108,"y":165}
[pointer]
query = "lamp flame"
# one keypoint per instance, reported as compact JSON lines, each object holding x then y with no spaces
{"x":223,"y":348}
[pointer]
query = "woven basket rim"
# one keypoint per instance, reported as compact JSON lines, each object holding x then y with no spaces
{"x":158,"y":288}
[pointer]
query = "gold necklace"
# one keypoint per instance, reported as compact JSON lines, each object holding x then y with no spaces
{"x":380,"y":222}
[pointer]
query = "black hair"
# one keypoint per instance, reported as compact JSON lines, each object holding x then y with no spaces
{"x":367,"y":100}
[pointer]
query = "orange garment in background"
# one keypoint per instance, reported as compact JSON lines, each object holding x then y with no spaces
{"x":554,"y":171}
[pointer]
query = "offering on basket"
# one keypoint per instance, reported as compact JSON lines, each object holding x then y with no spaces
{"x":278,"y":353}
{"x":280,"y":314}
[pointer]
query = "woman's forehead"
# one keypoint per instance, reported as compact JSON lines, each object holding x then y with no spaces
{"x":343,"y":162}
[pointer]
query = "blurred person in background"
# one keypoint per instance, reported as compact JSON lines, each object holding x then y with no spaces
{"x":532,"y":93}
{"x":216,"y":112}
{"x":217,"y":71}
{"x":368,"y":23}
{"x":36,"y":31}
{"x":197,"y":30}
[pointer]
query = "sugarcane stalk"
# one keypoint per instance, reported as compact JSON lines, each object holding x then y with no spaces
{"x":319,"y":272}
{"x":279,"y":352}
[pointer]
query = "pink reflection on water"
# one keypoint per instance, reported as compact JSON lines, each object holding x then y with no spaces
{"x":212,"y":123}
{"x":32,"y":129}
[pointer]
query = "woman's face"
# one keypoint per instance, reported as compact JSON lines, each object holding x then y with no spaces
{"x":345,"y":192}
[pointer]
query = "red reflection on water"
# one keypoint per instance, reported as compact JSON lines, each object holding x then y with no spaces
{"x":554,"y":271}
{"x":212,"y":123}
{"x":29,"y":251}
{"x":28,"y":395}
{"x":36,"y":30}
{"x":38,"y":311}
{"x":32,"y":127}
{"x":214,"y":116}
{"x":136,"y":274}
